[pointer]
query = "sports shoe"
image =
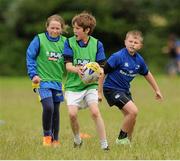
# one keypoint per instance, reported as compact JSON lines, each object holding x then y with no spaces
{"x":47,"y":141}
{"x":78,"y":145}
{"x":124,"y":141}
{"x":55,"y":143}
{"x":106,"y":149}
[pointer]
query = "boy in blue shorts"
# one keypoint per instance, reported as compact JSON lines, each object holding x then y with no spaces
{"x":45,"y":66}
{"x":79,"y":50}
{"x":120,"y":69}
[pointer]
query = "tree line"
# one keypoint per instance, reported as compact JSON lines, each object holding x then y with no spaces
{"x":21,"y":20}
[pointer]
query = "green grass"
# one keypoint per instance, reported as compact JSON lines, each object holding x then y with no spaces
{"x":156,"y":134}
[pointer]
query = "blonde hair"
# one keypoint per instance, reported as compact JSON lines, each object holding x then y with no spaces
{"x":85,"y":20}
{"x":135,"y":33}
{"x":59,"y":19}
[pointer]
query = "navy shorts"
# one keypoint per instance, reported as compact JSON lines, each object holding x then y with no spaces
{"x":116,"y":97}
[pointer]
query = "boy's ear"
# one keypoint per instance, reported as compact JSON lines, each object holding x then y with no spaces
{"x":87,"y":30}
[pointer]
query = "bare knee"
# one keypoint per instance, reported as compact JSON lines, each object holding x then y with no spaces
{"x":73,"y":116}
{"x":133,"y":113}
{"x":95,"y":114}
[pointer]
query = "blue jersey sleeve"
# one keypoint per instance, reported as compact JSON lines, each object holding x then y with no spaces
{"x":67,"y":49}
{"x":114,"y":60}
{"x":143,"y":68}
{"x":100,"y":56}
{"x":31,"y":55}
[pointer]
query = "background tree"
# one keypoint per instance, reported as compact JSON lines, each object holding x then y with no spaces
{"x":21,"y":20}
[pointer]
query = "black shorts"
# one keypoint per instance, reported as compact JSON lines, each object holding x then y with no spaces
{"x":116,"y":97}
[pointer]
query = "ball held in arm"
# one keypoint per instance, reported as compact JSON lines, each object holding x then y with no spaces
{"x":92,"y":72}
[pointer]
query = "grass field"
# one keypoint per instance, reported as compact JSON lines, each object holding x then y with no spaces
{"x":156,"y":135}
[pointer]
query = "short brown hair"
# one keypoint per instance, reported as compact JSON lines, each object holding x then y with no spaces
{"x":136,"y":34}
{"x":58,"y":19}
{"x":85,"y":20}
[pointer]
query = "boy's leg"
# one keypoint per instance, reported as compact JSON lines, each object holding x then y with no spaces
{"x":130,"y":113}
{"x":74,"y":100}
{"x":96,"y":115}
{"x":73,"y":110}
{"x":124,"y":102}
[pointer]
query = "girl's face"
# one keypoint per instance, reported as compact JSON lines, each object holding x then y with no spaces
{"x":79,"y":33}
{"x":133,"y":44}
{"x":54,"y":29}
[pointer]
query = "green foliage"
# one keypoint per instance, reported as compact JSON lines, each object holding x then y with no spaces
{"x":21,"y":20}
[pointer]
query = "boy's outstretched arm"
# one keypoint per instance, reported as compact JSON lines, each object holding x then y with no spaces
{"x":149,"y":77}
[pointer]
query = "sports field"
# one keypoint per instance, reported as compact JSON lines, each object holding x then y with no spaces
{"x":156,"y":135}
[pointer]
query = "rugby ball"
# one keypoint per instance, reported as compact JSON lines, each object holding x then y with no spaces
{"x":91,"y":72}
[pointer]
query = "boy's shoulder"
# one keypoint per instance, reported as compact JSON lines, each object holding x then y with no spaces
{"x":93,"y":38}
{"x":139,"y":55}
{"x":120,"y":52}
{"x":64,"y":38}
{"x":71,"y":40}
{"x":74,"y":38}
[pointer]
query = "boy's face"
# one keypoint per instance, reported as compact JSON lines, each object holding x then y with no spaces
{"x":133,"y":44}
{"x":79,"y":32}
{"x":54,"y":29}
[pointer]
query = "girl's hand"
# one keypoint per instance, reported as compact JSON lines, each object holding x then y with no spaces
{"x":36,"y":79}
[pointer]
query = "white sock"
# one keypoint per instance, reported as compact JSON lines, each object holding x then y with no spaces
{"x":104,"y":144}
{"x":77,"y":139}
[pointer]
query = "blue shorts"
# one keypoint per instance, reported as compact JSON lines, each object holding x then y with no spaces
{"x":116,"y":97}
{"x":57,"y":95}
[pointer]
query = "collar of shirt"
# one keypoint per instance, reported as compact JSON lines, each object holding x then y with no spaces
{"x":52,"y":38}
{"x":82,"y":44}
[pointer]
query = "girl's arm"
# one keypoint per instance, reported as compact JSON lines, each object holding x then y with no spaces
{"x":31,"y":56}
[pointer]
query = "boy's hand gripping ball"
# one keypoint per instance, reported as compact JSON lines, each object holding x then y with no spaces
{"x":91,"y":72}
